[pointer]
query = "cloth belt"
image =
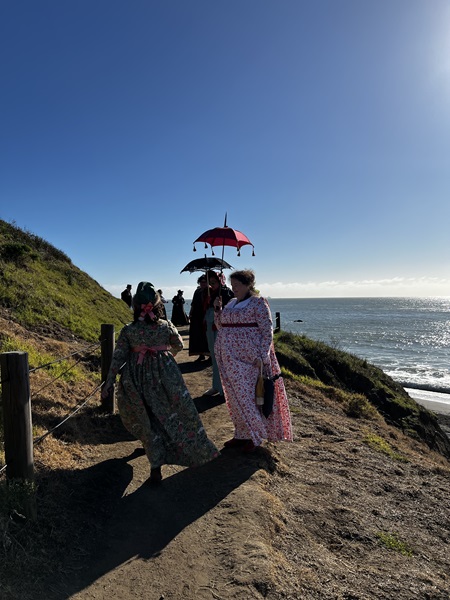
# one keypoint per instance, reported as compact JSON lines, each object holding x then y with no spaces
{"x":239,"y":324}
{"x":152,"y":350}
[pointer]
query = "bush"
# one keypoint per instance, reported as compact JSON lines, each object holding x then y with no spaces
{"x":17,"y":253}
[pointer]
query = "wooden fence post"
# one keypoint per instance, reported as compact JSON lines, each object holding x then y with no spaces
{"x":107,"y":349}
{"x":277,"y":322}
{"x":17,"y":425}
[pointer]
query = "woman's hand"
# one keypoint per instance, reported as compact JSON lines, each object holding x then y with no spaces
{"x":218,"y":304}
{"x":105,"y":392}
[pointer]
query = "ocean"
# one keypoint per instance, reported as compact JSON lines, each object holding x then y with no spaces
{"x":408,"y":338}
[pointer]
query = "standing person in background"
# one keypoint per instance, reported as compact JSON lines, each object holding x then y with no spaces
{"x":164,"y":301}
{"x":244,"y":345}
{"x":127,"y":296}
{"x":198,"y":344}
{"x":216,"y":290}
{"x":179,"y":316}
{"x":154,"y":403}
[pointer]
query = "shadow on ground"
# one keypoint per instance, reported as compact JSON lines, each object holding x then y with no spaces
{"x":204,"y":403}
{"x":194,"y":366}
{"x":147,"y":520}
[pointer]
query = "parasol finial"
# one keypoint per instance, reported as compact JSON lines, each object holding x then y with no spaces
{"x":225,"y":222}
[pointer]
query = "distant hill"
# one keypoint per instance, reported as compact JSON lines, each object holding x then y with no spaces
{"x":42,"y":289}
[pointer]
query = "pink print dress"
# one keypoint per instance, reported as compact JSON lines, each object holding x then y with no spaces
{"x":244,"y":334}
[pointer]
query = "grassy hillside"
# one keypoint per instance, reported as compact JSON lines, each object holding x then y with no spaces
{"x":42,"y":290}
{"x":360,"y":386}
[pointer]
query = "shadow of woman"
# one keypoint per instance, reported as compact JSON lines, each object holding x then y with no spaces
{"x":147,"y":520}
{"x":203,"y":403}
{"x":193,"y":367}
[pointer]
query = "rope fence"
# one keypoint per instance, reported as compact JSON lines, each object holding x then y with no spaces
{"x":58,"y":360}
{"x":77,"y":409}
{"x":16,"y":403}
{"x":61,"y":374}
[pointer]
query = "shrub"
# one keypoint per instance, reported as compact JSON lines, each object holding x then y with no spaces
{"x":379,"y":444}
{"x":391,"y":542}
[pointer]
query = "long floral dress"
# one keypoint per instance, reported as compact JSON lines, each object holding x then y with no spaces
{"x":245,"y":334}
{"x":154,"y":404}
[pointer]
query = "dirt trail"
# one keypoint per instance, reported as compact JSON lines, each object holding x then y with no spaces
{"x":292,"y":521}
{"x":175,"y":541}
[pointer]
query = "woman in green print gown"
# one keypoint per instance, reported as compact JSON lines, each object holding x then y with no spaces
{"x":154,"y":403}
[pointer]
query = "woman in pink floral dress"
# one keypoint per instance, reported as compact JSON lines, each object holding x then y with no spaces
{"x":154,"y":402}
{"x":244,"y":342}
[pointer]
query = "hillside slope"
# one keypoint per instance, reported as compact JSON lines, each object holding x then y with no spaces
{"x":42,"y":290}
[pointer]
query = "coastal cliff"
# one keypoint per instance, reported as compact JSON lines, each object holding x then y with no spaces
{"x":356,"y":507}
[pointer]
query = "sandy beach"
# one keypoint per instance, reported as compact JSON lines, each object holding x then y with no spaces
{"x":435,"y":401}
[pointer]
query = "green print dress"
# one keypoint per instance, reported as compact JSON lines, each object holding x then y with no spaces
{"x":154,"y":404}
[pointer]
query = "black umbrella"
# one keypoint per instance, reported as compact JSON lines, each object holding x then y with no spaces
{"x":205,"y":264}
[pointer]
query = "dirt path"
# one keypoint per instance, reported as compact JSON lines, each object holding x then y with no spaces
{"x":175,"y":541}
{"x":295,"y":521}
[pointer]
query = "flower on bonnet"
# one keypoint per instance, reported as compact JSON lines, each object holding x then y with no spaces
{"x":146,"y":309}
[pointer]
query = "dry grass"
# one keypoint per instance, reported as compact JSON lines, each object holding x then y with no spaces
{"x":34,"y":546}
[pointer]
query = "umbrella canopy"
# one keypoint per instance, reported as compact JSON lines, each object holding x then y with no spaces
{"x":224,"y":236}
{"x":205,"y":264}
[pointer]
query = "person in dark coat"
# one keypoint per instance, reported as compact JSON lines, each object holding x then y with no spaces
{"x":179,"y":317}
{"x":127,"y":296}
{"x":198,"y":344}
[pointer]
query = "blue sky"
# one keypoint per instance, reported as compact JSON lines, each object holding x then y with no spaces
{"x":321,"y":127}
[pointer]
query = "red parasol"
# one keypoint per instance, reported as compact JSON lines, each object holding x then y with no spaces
{"x":224,"y":236}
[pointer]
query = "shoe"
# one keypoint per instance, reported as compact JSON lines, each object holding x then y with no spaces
{"x":211,"y":392}
{"x":155,"y":476}
{"x":248,"y":447}
{"x":234,"y":442}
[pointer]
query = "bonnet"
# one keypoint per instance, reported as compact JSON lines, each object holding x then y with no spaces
{"x":146,"y":297}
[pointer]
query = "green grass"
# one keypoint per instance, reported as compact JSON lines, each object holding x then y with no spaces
{"x":64,"y":369}
{"x":379,"y":444}
{"x":392,"y":542}
{"x":41,"y":287}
